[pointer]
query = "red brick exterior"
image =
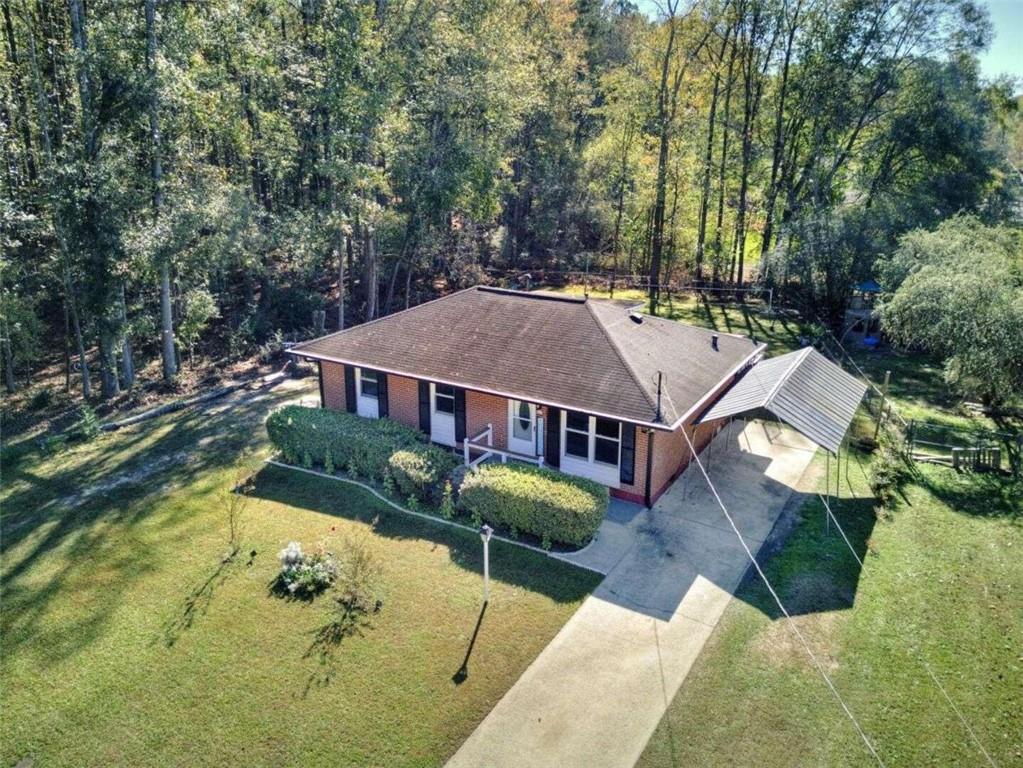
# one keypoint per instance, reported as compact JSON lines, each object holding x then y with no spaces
{"x":403,"y":400}
{"x":671,"y":454}
{"x":333,"y":386}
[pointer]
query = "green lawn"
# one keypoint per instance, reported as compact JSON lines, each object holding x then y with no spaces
{"x":125,"y":641}
{"x":941,"y":588}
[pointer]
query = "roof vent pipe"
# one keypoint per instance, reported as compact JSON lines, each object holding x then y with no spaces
{"x":636,"y":317}
{"x":714,"y":342}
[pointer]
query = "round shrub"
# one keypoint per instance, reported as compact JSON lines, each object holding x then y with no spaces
{"x":549,"y":505}
{"x":420,"y":472}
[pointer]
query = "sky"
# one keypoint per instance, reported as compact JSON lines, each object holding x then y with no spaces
{"x":1005,"y":56}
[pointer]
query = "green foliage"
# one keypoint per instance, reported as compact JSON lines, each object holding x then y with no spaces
{"x":447,"y":502}
{"x":200,"y":308}
{"x":328,"y":462}
{"x":362,"y":446}
{"x":889,"y":470}
{"x":87,"y":426}
{"x":549,"y":505}
{"x":41,"y":399}
{"x":421,"y":472}
{"x":959,"y":295}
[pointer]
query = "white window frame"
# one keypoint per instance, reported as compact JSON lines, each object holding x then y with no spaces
{"x":367,"y":406}
{"x":435,"y":395}
{"x":602,"y":472}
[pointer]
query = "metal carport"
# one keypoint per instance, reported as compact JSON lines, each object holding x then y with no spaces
{"x":802,"y":388}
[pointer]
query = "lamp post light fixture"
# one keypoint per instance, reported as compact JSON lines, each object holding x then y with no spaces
{"x":485,"y":533}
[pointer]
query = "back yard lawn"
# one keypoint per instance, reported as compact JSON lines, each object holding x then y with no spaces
{"x":126,"y":640}
{"x":941,"y":589}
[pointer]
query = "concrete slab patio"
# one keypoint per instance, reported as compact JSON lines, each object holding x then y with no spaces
{"x":595,"y":694}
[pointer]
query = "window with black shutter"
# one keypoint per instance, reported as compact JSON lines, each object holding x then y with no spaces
{"x":424,"y":407}
{"x":627,"y":472}
{"x":350,"y":402}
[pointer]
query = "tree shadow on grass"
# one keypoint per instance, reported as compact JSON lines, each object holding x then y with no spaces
{"x":980,"y":494}
{"x":197,"y":602}
{"x":344,"y":621}
{"x":513,"y":565}
{"x":95,"y":551}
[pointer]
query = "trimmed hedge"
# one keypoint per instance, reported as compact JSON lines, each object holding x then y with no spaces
{"x":421,"y":471}
{"x":361,"y":446}
{"x":550,"y":505}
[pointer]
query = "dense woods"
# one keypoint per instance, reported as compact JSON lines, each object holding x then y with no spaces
{"x":183,"y":177}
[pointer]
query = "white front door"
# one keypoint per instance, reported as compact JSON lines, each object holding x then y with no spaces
{"x":442,"y":414}
{"x":522,"y":427}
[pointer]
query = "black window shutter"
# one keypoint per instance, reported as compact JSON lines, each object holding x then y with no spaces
{"x":553,"y":441}
{"x":627,"y":471}
{"x":382,"y":394}
{"x":319,"y":375}
{"x":424,"y":407}
{"x":459,"y":415}
{"x":350,"y":389}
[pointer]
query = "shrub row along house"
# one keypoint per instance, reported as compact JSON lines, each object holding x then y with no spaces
{"x":583,"y":385}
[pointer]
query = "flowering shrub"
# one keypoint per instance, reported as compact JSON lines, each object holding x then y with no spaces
{"x":305,"y":575}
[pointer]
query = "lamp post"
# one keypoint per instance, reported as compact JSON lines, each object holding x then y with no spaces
{"x":485,"y":533}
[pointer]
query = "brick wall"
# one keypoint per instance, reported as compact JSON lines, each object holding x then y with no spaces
{"x":403,"y":400}
{"x":482,"y":409}
{"x":333,"y":385}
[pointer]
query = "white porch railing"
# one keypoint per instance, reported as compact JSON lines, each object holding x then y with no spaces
{"x":484,"y":442}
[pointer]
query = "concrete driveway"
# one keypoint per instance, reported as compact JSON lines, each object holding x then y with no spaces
{"x":593,"y":697}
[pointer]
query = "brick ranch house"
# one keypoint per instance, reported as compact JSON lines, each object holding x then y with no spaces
{"x":583,"y":385}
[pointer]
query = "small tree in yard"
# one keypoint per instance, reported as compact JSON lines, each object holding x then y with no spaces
{"x":236,"y":501}
{"x":200,"y":308}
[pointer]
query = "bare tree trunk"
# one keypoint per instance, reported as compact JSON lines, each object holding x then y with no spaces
{"x":67,"y":347}
{"x":42,"y":107}
{"x":127,"y":360}
{"x":390,"y":287}
{"x":170,"y":362}
{"x":9,"y":379}
{"x":408,"y":285}
{"x":19,"y":93}
{"x":370,"y":279}
{"x":724,"y":164}
{"x":109,"y":385}
{"x":657,"y":243}
{"x":708,"y":162}
{"x":341,"y":285}
{"x":779,"y":140}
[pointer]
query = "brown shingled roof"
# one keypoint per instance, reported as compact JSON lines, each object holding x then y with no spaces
{"x":583,"y":354}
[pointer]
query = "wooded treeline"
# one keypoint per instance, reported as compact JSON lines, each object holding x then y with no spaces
{"x":187,"y":172}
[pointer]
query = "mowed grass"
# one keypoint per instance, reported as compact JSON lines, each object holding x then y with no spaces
{"x":941,"y":592}
{"x":127,"y":640}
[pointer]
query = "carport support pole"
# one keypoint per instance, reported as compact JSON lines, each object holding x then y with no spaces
{"x":827,"y":489}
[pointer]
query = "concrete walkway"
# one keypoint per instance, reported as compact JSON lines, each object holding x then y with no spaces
{"x":593,"y":697}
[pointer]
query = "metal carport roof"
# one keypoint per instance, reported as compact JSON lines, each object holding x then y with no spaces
{"x":804,"y":389}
